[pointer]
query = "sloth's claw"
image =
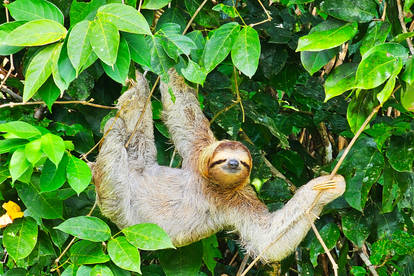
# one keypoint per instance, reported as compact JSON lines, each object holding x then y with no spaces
{"x":331,"y":184}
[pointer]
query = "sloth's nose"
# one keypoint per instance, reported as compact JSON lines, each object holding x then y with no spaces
{"x":233,"y":163}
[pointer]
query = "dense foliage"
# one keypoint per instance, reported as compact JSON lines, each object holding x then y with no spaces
{"x":293,"y":80}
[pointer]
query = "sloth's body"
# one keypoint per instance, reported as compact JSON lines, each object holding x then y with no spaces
{"x":211,"y":191}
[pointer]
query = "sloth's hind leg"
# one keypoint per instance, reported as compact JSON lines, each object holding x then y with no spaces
{"x":141,"y":147}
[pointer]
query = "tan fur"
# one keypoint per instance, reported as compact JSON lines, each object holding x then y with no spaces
{"x":199,"y":199}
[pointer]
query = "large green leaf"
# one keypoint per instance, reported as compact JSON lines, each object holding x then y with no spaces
{"x":400,"y":153}
{"x":5,"y":29}
{"x":177,"y":44}
{"x":125,"y":18}
{"x":119,"y":71}
{"x":355,"y":227}
{"x":407,"y":98}
{"x":86,"y":252}
{"x":359,"y":108}
{"x":33,"y":151}
{"x":194,"y":72}
{"x":219,"y":45}
{"x":361,"y":11}
{"x":386,"y":92}
{"x":11,"y":144}
{"x":182,"y":261}
{"x":86,"y":228}
{"x":313,"y":61}
{"x":408,"y":74}
{"x":63,"y":71}
{"x":39,"y":69}
{"x":376,"y":34}
{"x":147,"y":236}
{"x":44,"y":205}
{"x":138,"y":48}
{"x":20,"y":129}
{"x":52,"y":177}
{"x":84,"y":10}
{"x":20,"y":238}
{"x":330,"y":234}
{"x":49,"y":92}
{"x":380,"y":63}
{"x":340,"y":80}
{"x":245,"y":52}
{"x":160,"y":62}
{"x":322,"y":40}
{"x":53,"y":146}
{"x":211,"y":252}
{"x":78,"y":174}
{"x":124,"y":255}
{"x":28,"y":10}
{"x":104,"y":39}
{"x":154,"y":4}
{"x":19,"y":164}
{"x":78,"y":47}
{"x":101,"y":270}
{"x":84,"y":270}
{"x":36,"y":33}
{"x":395,"y":184}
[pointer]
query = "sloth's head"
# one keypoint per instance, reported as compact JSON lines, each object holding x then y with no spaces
{"x":226,"y":163}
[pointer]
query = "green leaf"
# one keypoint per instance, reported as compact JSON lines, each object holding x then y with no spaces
{"x":28,"y":10}
{"x":228,"y":10}
{"x":53,"y":146}
{"x":359,"y":108}
{"x":401,"y":37}
{"x":19,"y":164}
{"x":245,"y":52}
{"x":39,"y":69}
{"x":36,"y":33}
{"x":125,"y":18}
{"x":138,"y":47}
{"x":194,"y":72}
{"x":177,"y":44}
{"x":330,"y":234}
{"x":41,"y":204}
{"x":20,"y":129}
{"x":124,"y":255}
{"x":358,"y":271}
{"x":86,"y":228}
{"x":78,"y":47}
{"x":84,"y":270}
{"x":340,"y":80}
{"x":160,"y":62}
{"x":119,"y":71}
{"x":387,"y":90}
{"x":408,"y":74}
{"x":360,"y":11}
{"x":380,"y":63}
{"x":199,"y":40}
{"x":33,"y":151}
{"x":394,"y":185}
{"x":5,"y":29}
{"x":104,"y":39}
{"x":407,"y":98}
{"x":78,"y":174}
{"x":219,"y":45}
{"x":211,"y":252}
{"x":147,"y":236}
{"x":53,"y":178}
{"x":101,"y":270}
{"x":63,"y":71}
{"x":8,"y":145}
{"x":86,"y":252}
{"x":400,"y":152}
{"x":313,"y":61}
{"x":322,"y":40}
{"x":182,"y":261}
{"x":355,"y":227}
{"x":155,"y":4}
{"x":20,"y":238}
{"x":376,"y":34}
{"x":49,"y":92}
{"x":84,"y":10}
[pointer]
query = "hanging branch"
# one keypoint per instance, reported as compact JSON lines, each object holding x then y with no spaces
{"x":88,"y":103}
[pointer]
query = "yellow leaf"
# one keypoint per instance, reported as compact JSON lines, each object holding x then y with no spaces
{"x":13,"y":210}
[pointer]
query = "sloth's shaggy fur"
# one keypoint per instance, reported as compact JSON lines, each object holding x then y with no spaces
{"x":208,"y":194}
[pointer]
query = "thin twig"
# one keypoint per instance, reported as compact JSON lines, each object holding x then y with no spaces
{"x":11,"y":93}
{"x":236,"y":87}
{"x":404,"y":28}
{"x":11,"y":69}
{"x":269,"y":18}
{"x":242,"y":265}
{"x":234,"y":258}
{"x":140,"y":4}
{"x":227,"y":108}
{"x":13,"y":104}
{"x":194,"y":15}
{"x":367,"y":262}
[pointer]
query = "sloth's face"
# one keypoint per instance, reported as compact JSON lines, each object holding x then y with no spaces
{"x":230,"y":164}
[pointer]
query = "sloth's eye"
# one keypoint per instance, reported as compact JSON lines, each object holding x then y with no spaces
{"x":217,"y":162}
{"x":245,"y":164}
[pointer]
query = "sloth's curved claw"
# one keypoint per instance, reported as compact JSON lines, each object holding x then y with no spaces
{"x":331,"y":184}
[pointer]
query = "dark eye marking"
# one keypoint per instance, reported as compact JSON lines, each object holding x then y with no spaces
{"x":217,"y":162}
{"x":245,"y":164}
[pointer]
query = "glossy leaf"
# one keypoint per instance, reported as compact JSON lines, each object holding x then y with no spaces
{"x":28,"y":10}
{"x":182,"y":261}
{"x":11,"y":144}
{"x":160,"y":62}
{"x":124,"y":255}
{"x":219,"y":45}
{"x":63,"y":71}
{"x":355,"y":227}
{"x":101,"y":270}
{"x":228,"y":10}
{"x":104,"y":39}
{"x":119,"y":71}
{"x":154,"y":4}
{"x":376,"y":34}
{"x":80,"y":11}
{"x":33,"y":151}
{"x":84,"y":270}
{"x":245,"y":52}
{"x":78,"y":47}
{"x":407,"y":98}
{"x":49,"y":92}
{"x":330,"y":234}
{"x":39,"y":69}
{"x":387,"y":90}
{"x":36,"y":33}
{"x":19,"y":164}
{"x":313,"y":61}
{"x":359,"y":108}
{"x":360,"y":11}
{"x":138,"y":48}
{"x":147,"y":236}
{"x":78,"y":174}
{"x":53,"y":146}
{"x":86,"y":228}
{"x":86,"y":252}
{"x":211,"y":252}
{"x":194,"y":72}
{"x":408,"y":74}
{"x":125,"y":18}
{"x":199,"y":40}
{"x":20,"y":238}
{"x":20,"y":129}
{"x":177,"y":44}
{"x":5,"y":29}
{"x":400,"y":153}
{"x":340,"y":80}
{"x":52,"y":177}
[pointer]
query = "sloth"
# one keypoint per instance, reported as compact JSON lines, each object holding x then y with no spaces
{"x":211,"y":190}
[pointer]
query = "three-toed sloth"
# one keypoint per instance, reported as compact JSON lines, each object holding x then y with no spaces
{"x":211,"y":191}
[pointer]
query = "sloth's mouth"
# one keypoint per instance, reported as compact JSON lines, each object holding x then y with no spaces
{"x":232,"y":170}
